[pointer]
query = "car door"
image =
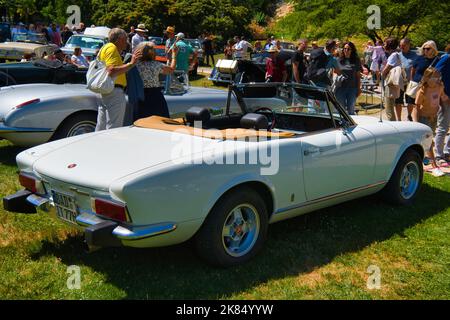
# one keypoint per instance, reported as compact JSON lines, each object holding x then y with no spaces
{"x":337,"y":160}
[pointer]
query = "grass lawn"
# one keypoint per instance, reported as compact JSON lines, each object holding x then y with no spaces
{"x":322,"y":255}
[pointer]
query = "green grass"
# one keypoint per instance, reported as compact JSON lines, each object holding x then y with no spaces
{"x":322,"y":255}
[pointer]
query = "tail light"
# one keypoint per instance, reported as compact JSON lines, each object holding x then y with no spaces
{"x":27,"y":103}
{"x":28,"y":182}
{"x":109,"y":209}
{"x":31,"y":183}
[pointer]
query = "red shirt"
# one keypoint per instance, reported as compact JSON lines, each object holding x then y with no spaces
{"x":275,"y":68}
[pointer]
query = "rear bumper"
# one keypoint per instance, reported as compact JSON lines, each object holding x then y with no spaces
{"x":98,"y":232}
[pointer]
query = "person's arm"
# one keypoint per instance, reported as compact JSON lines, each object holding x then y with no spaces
{"x":295,"y":71}
{"x":115,"y":71}
{"x":166,"y":70}
{"x":174,"y":57}
{"x":285,"y":75}
{"x":413,"y":73}
{"x":337,"y":68}
{"x":194,"y":61}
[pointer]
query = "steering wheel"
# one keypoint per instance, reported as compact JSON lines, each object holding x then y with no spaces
{"x":269,"y":114}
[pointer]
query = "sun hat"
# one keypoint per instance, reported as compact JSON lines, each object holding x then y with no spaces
{"x":141,"y":28}
{"x":170,"y":29}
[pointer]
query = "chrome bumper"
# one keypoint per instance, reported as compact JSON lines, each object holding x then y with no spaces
{"x":99,"y":232}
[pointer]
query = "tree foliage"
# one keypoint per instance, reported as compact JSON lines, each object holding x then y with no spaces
{"x":420,"y":19}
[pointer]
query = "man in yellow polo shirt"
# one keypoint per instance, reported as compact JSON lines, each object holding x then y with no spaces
{"x":111,"y":114}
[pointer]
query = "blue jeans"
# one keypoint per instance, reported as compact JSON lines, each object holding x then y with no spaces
{"x":347,"y":98}
{"x":443,"y":123}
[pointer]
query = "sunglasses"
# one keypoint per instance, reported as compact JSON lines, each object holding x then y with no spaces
{"x":427,"y":49}
{"x":347,"y":48}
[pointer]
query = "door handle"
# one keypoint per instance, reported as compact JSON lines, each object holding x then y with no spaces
{"x":310,"y":151}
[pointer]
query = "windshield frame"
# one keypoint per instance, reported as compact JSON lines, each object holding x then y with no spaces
{"x":328,"y":97}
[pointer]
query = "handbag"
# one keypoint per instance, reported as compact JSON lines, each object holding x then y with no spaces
{"x":412,"y":88}
{"x":97,"y":77}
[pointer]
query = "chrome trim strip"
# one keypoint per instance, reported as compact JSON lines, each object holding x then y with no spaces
{"x":336,"y":195}
{"x":6,"y":129}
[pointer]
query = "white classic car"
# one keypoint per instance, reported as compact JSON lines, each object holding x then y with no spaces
{"x":25,"y":43}
{"x":221,"y":180}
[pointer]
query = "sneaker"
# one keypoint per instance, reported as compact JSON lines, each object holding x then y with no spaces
{"x":441,"y":162}
{"x":437,"y":172}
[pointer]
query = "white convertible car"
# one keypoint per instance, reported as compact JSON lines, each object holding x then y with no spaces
{"x":221,"y":179}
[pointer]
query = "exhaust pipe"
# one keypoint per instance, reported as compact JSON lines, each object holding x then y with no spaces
{"x":89,"y":248}
{"x":100,"y":235}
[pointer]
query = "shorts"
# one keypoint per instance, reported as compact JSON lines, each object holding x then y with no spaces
{"x":429,"y":121}
{"x":406,"y":98}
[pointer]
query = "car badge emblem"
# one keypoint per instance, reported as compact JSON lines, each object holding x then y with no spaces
{"x":71,"y":166}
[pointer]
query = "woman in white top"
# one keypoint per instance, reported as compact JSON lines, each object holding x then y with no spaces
{"x":79,"y":59}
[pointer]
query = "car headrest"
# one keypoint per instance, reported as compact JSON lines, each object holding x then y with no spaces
{"x":197,"y":114}
{"x":254,"y":121}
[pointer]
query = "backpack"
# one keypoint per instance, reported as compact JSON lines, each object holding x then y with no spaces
{"x":317,"y":69}
{"x":98,"y":79}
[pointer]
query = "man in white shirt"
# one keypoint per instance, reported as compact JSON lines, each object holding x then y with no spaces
{"x":139,"y":36}
{"x":241,"y":48}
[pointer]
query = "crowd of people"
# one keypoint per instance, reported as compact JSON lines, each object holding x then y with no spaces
{"x":417,"y":82}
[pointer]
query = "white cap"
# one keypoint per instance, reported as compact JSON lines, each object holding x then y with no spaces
{"x":180,"y":35}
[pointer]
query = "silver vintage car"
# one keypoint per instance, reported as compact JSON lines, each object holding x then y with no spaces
{"x":33,"y":114}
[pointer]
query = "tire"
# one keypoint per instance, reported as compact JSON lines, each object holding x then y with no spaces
{"x":76,"y":124}
{"x":406,"y":180}
{"x":242,"y":216}
{"x":6,"y":80}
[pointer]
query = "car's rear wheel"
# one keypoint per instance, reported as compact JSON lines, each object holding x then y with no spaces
{"x":406,"y":179}
{"x":235,"y":230}
{"x":75,"y":125}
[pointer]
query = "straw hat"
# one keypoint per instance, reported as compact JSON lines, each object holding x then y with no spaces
{"x":170,"y":29}
{"x":141,"y":28}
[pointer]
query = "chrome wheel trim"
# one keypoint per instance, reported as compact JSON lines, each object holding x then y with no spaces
{"x":240,"y":230}
{"x":409,"y":180}
{"x":81,"y":128}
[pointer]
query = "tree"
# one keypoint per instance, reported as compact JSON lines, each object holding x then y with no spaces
{"x":344,"y":18}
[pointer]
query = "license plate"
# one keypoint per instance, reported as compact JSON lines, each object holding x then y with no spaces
{"x":66,"y":207}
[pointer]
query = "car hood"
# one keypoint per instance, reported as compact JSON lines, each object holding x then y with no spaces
{"x":12,"y":96}
{"x":100,"y":158}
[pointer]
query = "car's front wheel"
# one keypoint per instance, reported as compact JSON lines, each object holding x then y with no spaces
{"x":235,"y":230}
{"x":75,"y":125}
{"x":406,"y":179}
